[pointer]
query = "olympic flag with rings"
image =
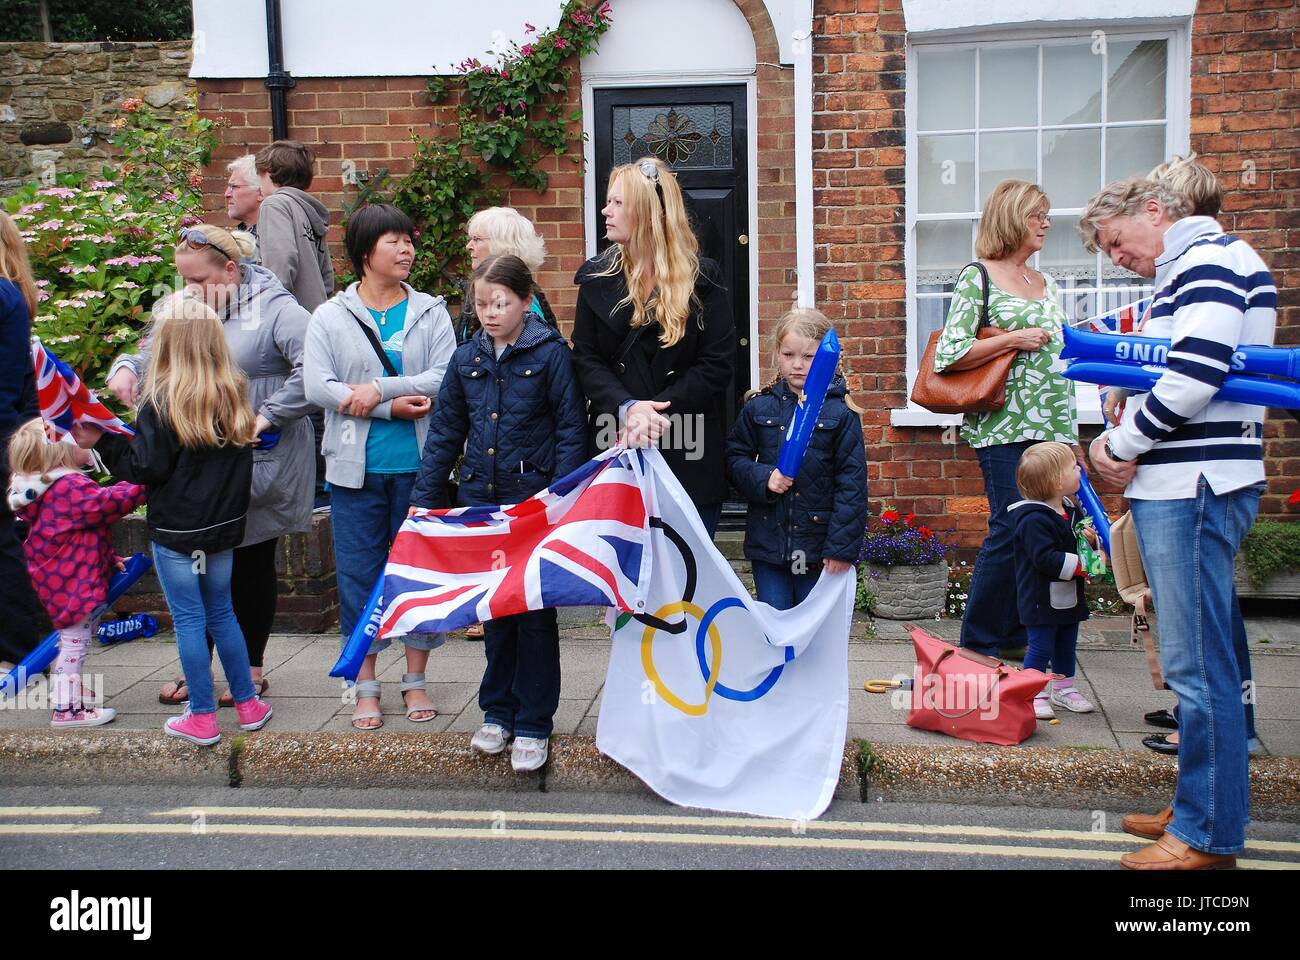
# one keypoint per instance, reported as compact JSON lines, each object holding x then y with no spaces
{"x":714,"y":699}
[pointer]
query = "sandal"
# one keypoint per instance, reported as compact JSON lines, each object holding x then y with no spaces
{"x":474,"y":631}
{"x":415,"y":681}
{"x":367,"y":689}
{"x":260,"y":687}
{"x":174,"y":698}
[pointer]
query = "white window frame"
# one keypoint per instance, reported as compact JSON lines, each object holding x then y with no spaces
{"x":1177,"y":138}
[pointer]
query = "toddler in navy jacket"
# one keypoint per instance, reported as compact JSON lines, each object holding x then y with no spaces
{"x":1049,"y":574}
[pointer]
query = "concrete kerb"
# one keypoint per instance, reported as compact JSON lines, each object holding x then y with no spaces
{"x":899,"y":772}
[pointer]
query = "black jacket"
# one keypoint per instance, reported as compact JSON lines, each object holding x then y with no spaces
{"x":1047,"y":557}
{"x":198,"y":496}
{"x":518,"y":420}
{"x":825,"y":513}
{"x":693,"y":374}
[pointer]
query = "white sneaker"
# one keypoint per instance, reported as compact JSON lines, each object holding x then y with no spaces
{"x":1043,"y":708}
{"x":529,"y":753}
{"x":1071,"y":699}
{"x":491,"y":739}
{"x":82,"y":717}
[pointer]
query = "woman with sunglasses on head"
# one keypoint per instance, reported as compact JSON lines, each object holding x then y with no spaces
{"x":264,"y":328}
{"x":653,"y":338}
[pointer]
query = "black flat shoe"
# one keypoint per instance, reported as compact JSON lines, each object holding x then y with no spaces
{"x":1159,"y":742}
{"x":1161,"y":718}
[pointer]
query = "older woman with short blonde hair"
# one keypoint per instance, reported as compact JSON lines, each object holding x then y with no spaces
{"x":1024,"y":305}
{"x":503,"y":231}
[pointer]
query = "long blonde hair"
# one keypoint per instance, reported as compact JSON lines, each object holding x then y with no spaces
{"x":192,"y":381}
{"x":661,"y":235}
{"x":30,"y":450}
{"x":14,"y":265}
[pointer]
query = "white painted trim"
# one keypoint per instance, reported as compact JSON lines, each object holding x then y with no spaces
{"x":932,"y":16}
{"x":787,"y":18}
{"x":594,"y":194}
{"x":805,"y":248}
{"x":1177,"y":139}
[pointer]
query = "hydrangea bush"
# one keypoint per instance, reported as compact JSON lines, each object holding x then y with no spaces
{"x":100,"y":247}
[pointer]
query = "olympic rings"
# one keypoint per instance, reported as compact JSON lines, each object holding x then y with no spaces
{"x":711,"y":677}
{"x":744,"y":696}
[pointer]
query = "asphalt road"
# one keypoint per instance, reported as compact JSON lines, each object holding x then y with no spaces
{"x":265,"y":829}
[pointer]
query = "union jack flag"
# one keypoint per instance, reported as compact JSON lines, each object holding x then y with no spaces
{"x":65,"y":400}
{"x":1125,"y":319}
{"x":580,"y":542}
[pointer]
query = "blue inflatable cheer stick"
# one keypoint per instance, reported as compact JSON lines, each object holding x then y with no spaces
{"x":39,"y":659}
{"x":367,"y":628}
{"x":267,"y":439}
{"x":128,"y":628}
{"x":1091,"y":504}
{"x":1248,"y":359}
{"x":799,"y":434}
{"x":1236,"y":388}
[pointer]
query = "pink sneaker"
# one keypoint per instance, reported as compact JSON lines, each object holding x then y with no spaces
{"x":200,"y":728}
{"x":82,"y":717}
{"x":253,"y":713}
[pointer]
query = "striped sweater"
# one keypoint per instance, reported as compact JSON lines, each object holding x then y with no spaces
{"x":1213,"y":294}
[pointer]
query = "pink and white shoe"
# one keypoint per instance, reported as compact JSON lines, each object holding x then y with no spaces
{"x":82,"y":717}
{"x":253,"y":713}
{"x":200,"y":728}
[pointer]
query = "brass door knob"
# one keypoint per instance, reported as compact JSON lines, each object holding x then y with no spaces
{"x":744,"y":239}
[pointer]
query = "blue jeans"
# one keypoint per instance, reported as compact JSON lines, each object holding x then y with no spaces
{"x":365,"y":521}
{"x":1188,"y":548}
{"x":521,"y":685}
{"x":992,"y":619}
{"x":1052,"y":644}
{"x":780,"y":587}
{"x":198,"y":593}
{"x":1242,"y":652}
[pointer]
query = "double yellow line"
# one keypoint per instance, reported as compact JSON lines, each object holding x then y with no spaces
{"x":545,"y":827}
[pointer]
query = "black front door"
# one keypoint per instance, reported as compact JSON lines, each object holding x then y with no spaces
{"x":702,"y":134}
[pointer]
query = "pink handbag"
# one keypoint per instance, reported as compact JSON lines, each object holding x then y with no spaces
{"x":970,"y":696}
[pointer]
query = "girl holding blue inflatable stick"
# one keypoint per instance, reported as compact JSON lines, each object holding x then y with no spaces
{"x":796,"y":453}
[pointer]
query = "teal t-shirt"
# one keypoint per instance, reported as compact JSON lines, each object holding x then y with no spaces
{"x":391,"y":446}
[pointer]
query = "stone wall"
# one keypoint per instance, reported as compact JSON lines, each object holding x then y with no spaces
{"x":57,"y":99}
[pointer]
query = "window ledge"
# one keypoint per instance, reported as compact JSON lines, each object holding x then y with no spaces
{"x":917,"y":417}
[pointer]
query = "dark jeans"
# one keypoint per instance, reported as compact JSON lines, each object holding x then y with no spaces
{"x":23,"y":620}
{"x":253,"y":591}
{"x":521,"y":685}
{"x":1052,"y":644}
{"x":365,"y":521}
{"x":710,"y":514}
{"x":780,"y":587}
{"x":992,"y":619}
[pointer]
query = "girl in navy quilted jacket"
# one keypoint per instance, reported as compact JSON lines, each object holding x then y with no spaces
{"x":511,"y":402}
{"x":796,"y":526}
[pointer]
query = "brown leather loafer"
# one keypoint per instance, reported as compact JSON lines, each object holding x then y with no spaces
{"x":1170,"y":853}
{"x":1148,"y":826}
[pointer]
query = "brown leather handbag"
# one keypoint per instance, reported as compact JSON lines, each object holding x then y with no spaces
{"x":977,"y":390}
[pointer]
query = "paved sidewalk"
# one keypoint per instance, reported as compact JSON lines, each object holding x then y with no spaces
{"x":1111,"y":673}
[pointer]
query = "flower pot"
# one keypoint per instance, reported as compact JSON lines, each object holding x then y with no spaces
{"x":907,"y":593}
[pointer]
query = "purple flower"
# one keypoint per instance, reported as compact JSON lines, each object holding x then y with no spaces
{"x":64,"y":193}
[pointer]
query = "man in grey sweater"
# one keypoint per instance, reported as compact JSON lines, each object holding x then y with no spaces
{"x":291,"y":224}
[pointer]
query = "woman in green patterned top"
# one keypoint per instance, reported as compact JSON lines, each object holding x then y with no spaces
{"x":1040,"y":404}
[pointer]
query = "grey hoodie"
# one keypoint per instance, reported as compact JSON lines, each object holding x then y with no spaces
{"x":264,"y":328}
{"x":291,"y":228}
{"x":338,"y":353}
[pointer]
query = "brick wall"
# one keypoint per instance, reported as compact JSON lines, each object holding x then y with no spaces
{"x":1246,"y":127}
{"x":370,"y":121}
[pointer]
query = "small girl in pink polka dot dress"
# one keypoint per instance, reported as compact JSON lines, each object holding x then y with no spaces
{"x":69,"y":553}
